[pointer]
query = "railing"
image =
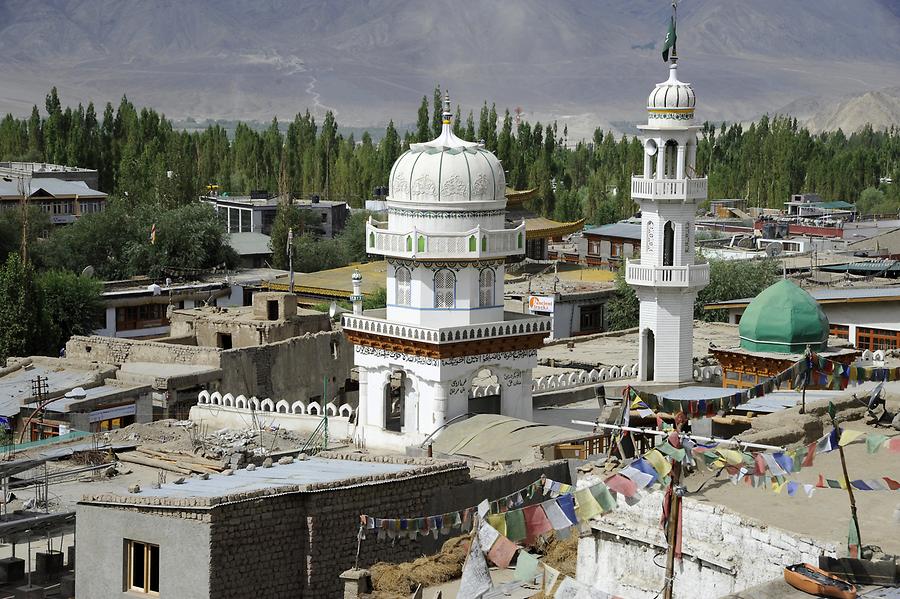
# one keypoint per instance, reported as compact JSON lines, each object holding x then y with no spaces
{"x":254,"y":404}
{"x":513,"y":326}
{"x":662,"y":189}
{"x":318,"y":440}
{"x":694,"y":275}
{"x":475,"y":243}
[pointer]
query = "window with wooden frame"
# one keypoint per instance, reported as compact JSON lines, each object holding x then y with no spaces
{"x":142,"y":568}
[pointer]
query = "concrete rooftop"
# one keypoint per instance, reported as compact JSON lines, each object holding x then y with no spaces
{"x":313,"y":470}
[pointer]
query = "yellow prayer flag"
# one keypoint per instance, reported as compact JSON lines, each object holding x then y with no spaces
{"x":849,"y":436}
{"x":498,"y":521}
{"x":586,"y":506}
{"x":777,"y":487}
{"x":659,"y":462}
{"x":732,"y":457}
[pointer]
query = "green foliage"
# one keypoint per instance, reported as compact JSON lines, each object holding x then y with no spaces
{"x":874,"y":201}
{"x":728,"y":280}
{"x":375,"y":301}
{"x":20,"y":310}
{"x":11,"y":229}
{"x":624,"y":308}
{"x":287,"y":217}
{"x":116,"y":242}
{"x":70,"y":306}
{"x":733,"y":279}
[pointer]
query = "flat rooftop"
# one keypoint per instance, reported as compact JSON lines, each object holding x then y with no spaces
{"x":326,"y":471}
{"x":61,"y":376}
{"x":829,"y":296}
{"x":240,"y":314}
{"x":618,"y":348}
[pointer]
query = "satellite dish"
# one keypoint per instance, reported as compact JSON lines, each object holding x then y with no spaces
{"x":335,"y":311}
{"x":88,"y":271}
{"x":774,"y":249}
{"x":650,"y":147}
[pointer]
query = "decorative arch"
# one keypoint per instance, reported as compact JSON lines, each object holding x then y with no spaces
{"x":444,"y":288}
{"x":486,"y":283}
{"x":403,"y":279}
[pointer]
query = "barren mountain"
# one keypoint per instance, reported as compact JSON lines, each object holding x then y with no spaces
{"x":584,"y":63}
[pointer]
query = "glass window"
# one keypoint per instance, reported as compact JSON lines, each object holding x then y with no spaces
{"x":142,"y":574}
{"x":234,"y":220}
{"x":246,"y":221}
{"x":404,"y":291}
{"x":486,"y":288}
{"x":444,"y":288}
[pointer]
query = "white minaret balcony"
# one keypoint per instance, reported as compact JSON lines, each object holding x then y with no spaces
{"x":668,"y":190}
{"x":691,"y":276}
{"x":464,"y":245}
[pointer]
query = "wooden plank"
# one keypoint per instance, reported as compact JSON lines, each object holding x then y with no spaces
{"x":145,"y":461}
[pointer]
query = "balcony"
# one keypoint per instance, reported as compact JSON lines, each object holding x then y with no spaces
{"x":513,"y":323}
{"x":692,"y":276}
{"x":477,"y":243}
{"x":668,"y":190}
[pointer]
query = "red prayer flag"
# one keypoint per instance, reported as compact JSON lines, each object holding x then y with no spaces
{"x":536,"y":521}
{"x":894,"y":445}
{"x":760,"y":463}
{"x":810,"y":454}
{"x":821,"y":483}
{"x":502,"y":552}
{"x":622,"y":485}
{"x":891,"y":483}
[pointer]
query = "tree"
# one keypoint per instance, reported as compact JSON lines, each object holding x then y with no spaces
{"x":624,"y":308}
{"x":20,"y":309}
{"x":423,"y":126}
{"x":287,"y":216}
{"x":874,"y":201}
{"x":70,"y":305}
{"x":730,"y":280}
{"x":353,"y":237}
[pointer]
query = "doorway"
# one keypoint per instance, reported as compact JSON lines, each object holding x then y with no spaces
{"x":649,"y":355}
{"x":395,"y":401}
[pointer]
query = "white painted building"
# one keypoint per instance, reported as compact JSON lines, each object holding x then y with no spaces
{"x":665,"y":277}
{"x":444,"y":325}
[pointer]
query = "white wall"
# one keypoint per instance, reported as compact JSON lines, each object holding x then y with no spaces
{"x":724,"y":552}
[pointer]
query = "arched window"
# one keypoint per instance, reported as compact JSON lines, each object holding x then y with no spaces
{"x":486,"y":288}
{"x":371,"y":240}
{"x":420,"y":243}
{"x":668,"y":244}
{"x":444,"y":288}
{"x":404,"y":290}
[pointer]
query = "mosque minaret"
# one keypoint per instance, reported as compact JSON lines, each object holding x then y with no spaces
{"x":446,"y":245}
{"x":665,"y":277}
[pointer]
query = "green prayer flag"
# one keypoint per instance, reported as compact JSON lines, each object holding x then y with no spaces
{"x":874,"y":441}
{"x":853,"y":536}
{"x":515,"y":525}
{"x":601,"y":493}
{"x":831,"y":411}
{"x":526,"y":567}
{"x":669,"y":42}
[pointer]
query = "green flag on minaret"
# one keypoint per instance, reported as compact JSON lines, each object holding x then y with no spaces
{"x":670,"y":40}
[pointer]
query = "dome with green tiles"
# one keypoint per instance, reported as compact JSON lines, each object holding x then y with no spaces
{"x":783,"y":319}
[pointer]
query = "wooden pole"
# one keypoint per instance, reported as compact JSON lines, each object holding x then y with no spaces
{"x":852,"y":501}
{"x":672,"y":531}
{"x":831,"y":414}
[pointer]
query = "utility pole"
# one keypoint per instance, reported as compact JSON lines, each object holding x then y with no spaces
{"x":290,"y":253}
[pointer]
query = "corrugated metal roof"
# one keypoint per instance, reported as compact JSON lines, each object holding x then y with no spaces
{"x":495,"y":438}
{"x":624,"y":230}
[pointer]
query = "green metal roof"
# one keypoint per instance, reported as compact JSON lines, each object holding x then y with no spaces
{"x":783,"y":319}
{"x":837,"y":205}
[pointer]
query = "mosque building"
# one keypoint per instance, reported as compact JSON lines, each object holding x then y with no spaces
{"x":665,"y":277}
{"x":446,"y":242}
{"x":775,"y":331}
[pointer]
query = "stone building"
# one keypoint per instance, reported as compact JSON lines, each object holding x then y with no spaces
{"x":282,"y":532}
{"x":665,"y":277}
{"x":446,"y":246}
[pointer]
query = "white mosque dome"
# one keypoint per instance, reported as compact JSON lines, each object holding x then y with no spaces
{"x":447,"y":170}
{"x":672,"y":99}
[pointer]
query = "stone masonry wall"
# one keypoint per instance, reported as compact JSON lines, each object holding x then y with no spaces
{"x":724,"y":552}
{"x":295,"y":541}
{"x":292,"y":370}
{"x":111,"y":350}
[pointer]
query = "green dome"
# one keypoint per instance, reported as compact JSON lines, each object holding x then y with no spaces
{"x":784,"y":319}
